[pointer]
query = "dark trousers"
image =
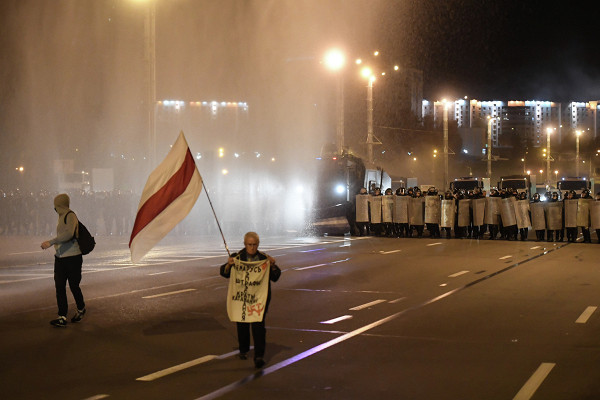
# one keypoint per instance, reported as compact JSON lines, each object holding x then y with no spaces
{"x":68,"y":269}
{"x":259,"y":333}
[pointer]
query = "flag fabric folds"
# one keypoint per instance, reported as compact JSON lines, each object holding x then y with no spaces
{"x":170,"y":193}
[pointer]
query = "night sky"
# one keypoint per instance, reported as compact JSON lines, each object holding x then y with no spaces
{"x":499,"y":49}
{"x":73,"y":70}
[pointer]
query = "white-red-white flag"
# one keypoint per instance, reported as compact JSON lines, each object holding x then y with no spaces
{"x":170,"y":193}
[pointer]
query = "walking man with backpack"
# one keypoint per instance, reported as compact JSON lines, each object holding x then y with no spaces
{"x":68,"y":261}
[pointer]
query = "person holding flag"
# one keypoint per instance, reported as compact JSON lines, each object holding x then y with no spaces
{"x":250,"y":273}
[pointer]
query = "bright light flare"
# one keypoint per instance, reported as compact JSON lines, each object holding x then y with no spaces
{"x":334,"y":59}
{"x":366,"y":72}
{"x":339,"y":189}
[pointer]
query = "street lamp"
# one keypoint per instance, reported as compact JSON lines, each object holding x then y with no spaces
{"x":548,"y":132}
{"x":556,"y":175}
{"x":335,"y":60}
{"x":368,"y":73}
{"x":445,"y":144}
{"x":150,"y":34}
{"x":577,"y":134}
{"x":489,"y":147}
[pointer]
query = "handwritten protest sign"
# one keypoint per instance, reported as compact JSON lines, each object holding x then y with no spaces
{"x":248,"y":290}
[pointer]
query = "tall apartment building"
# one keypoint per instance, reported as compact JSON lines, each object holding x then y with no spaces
{"x":528,"y":120}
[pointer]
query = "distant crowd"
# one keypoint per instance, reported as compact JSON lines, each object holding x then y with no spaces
{"x":104,"y":213}
{"x":113,"y":214}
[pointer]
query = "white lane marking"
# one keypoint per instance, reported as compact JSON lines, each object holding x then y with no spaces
{"x":338,"y":319}
{"x":168,"y":293}
{"x":505,"y":257}
{"x":534,"y":247}
{"x":458,"y":274}
{"x":389,"y":252}
{"x":320,"y":265}
{"x":534,"y":382}
{"x":367,"y":305}
{"x":185,"y":365}
{"x":25,"y":252}
{"x":434,"y":244}
{"x":98,"y":397}
{"x":583,"y":318}
{"x":309,"y":267}
{"x":396,"y":300}
{"x":160,"y":273}
{"x":444,"y":284}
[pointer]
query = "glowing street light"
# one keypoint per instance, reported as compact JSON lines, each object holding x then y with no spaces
{"x":335,"y":60}
{"x":556,"y":175}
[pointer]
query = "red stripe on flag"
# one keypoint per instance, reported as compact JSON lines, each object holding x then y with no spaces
{"x":160,"y":200}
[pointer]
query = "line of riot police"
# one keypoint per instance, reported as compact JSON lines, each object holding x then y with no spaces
{"x":504,"y":214}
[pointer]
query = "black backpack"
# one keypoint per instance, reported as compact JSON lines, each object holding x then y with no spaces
{"x":85,"y":239}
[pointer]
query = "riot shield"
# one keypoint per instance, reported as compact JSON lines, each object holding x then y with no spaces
{"x":401,"y":209}
{"x":464,"y":213}
{"x":570,"y":213}
{"x":522,"y":214}
{"x":433,"y":208}
{"x":492,"y":210}
{"x":478,"y":211}
{"x":375,"y":205}
{"x":595,"y":214}
{"x":538,"y":221}
{"x":448,"y":213}
{"x":362,"y":208}
{"x":583,"y":212}
{"x":416,"y":210}
{"x":554,"y":215}
{"x":387,"y":208}
{"x":507,"y":211}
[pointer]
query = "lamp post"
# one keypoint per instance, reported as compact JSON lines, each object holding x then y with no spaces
{"x":335,"y":60}
{"x":548,"y":132}
{"x":433,"y":166}
{"x":445,"y":145}
{"x":150,"y":56}
{"x":489,"y":148}
{"x":368,"y":73}
{"x":577,"y":134}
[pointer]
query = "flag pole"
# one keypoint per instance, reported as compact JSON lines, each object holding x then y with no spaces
{"x":216,"y":219}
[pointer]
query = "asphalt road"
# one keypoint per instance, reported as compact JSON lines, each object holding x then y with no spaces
{"x":352,"y":318}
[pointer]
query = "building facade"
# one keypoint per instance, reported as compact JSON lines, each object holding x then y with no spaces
{"x":525,"y":121}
